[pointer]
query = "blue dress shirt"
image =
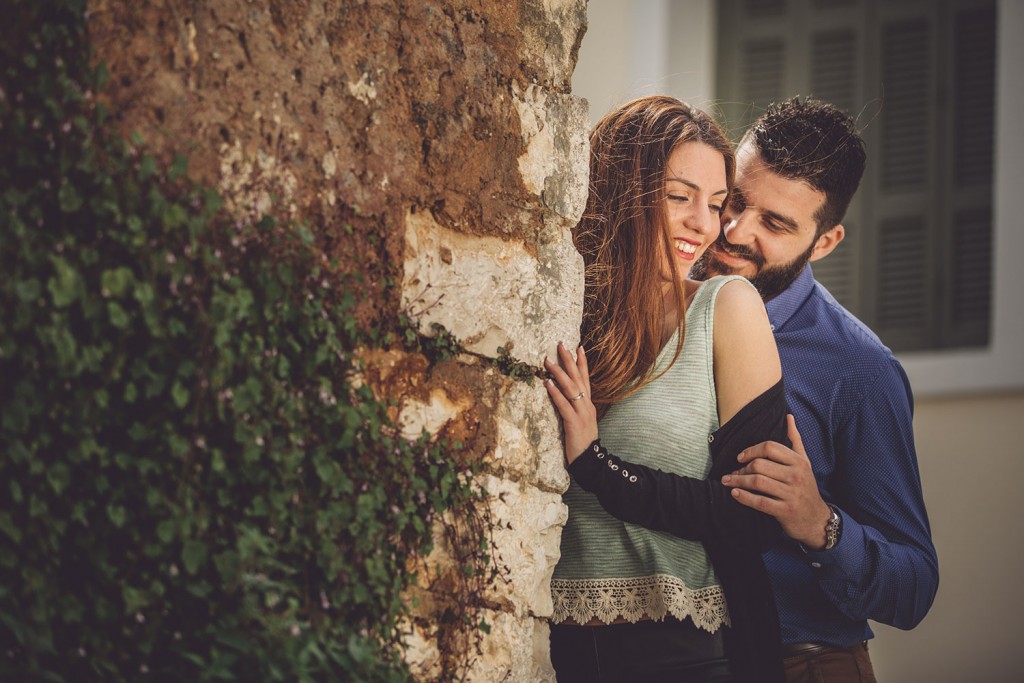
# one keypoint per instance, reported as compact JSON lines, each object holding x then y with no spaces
{"x":854,"y":410}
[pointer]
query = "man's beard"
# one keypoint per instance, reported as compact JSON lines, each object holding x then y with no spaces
{"x":769,"y":281}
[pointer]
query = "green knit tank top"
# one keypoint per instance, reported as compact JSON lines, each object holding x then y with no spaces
{"x":610,"y":569}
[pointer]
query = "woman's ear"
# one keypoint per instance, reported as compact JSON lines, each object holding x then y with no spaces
{"x":827,"y":242}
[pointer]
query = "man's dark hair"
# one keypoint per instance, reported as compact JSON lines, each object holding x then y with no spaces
{"x":817,"y":143}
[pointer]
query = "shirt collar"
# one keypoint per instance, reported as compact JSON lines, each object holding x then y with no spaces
{"x":781,"y":308}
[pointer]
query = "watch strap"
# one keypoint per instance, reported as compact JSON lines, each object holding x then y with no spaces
{"x":833,"y":528}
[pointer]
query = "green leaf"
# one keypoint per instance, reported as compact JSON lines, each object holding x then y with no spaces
{"x":145,"y":294}
{"x":59,"y":476}
{"x":102,"y":75}
{"x":193,"y":554}
{"x":118,"y":515}
{"x":8,"y":526}
{"x":119,"y":318}
{"x":66,"y":284}
{"x":65,"y":346}
{"x":134,"y":598}
{"x":173,"y":216}
{"x":117,"y":281}
{"x":179,"y":167}
{"x":167,"y":530}
{"x":228,"y":565}
{"x":180,"y":395}
{"x":147,"y":166}
{"x":28,"y":290}
{"x":68,"y":198}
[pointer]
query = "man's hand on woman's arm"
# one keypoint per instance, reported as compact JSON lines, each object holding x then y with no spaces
{"x":778,"y":481}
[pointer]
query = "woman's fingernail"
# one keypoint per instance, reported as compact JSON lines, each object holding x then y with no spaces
{"x":726,"y":479}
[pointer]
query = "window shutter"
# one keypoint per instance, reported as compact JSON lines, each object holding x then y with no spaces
{"x":752,"y":63}
{"x":972,"y":267}
{"x":907,"y":232}
{"x":919,"y":78}
{"x":903,"y":314}
{"x":763,"y":64}
{"x":969,"y":259}
{"x":835,"y":78}
{"x":834,"y":68}
{"x":759,"y":9}
{"x":974,"y":47}
{"x":906,"y":98}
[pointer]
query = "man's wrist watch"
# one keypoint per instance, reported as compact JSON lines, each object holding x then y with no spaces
{"x":833,"y":528}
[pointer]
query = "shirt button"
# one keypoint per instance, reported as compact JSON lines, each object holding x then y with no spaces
{"x":816,"y":565}
{"x":711,"y":438}
{"x":773,"y":328}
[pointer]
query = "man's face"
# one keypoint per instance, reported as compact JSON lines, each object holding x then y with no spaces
{"x":768,"y":229}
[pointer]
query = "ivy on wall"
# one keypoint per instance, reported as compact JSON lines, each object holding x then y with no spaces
{"x":192,"y":486}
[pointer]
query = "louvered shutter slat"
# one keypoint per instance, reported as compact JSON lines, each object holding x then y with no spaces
{"x":974,"y":44}
{"x":905,"y":48}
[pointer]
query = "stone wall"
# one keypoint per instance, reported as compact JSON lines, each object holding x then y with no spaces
{"x":434,"y":145}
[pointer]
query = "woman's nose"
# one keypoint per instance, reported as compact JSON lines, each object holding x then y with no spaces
{"x":700,"y":219}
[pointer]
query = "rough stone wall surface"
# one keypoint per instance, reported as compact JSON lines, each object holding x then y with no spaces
{"x":434,"y":144}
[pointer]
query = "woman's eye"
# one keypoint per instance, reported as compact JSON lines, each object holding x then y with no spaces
{"x":678,"y":198}
{"x":716,"y":209}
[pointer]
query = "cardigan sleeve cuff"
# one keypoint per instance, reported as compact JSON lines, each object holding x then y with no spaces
{"x":586,"y":468}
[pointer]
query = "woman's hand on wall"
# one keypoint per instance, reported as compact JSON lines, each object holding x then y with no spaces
{"x":569,"y":389}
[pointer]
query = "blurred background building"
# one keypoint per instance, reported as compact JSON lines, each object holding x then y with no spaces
{"x":934,"y":255}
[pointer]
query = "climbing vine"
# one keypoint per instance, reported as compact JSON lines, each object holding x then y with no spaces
{"x":192,"y":484}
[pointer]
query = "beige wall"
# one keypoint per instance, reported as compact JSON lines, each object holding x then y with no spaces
{"x":971,"y":453}
{"x":971,"y":447}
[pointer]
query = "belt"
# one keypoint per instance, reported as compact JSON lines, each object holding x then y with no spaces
{"x":813,"y":649}
{"x":805,"y":649}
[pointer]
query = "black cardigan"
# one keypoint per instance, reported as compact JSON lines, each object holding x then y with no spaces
{"x":704,"y":510}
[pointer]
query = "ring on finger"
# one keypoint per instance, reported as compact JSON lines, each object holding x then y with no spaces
{"x":576,"y":398}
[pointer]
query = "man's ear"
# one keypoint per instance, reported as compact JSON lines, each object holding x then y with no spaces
{"x":827,"y":242}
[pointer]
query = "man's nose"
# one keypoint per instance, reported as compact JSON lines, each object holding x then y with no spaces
{"x":738,"y":227}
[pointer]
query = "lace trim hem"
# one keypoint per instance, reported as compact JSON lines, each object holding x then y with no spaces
{"x":654,"y":596}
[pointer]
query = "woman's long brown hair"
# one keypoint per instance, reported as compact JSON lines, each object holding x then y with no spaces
{"x":622,"y":237}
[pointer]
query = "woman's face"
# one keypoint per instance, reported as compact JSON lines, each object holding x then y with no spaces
{"x":695,"y":190}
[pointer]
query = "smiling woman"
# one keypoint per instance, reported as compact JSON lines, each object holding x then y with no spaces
{"x":654,"y":549}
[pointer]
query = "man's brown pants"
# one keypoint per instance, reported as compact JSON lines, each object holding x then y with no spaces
{"x":829,"y":665}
